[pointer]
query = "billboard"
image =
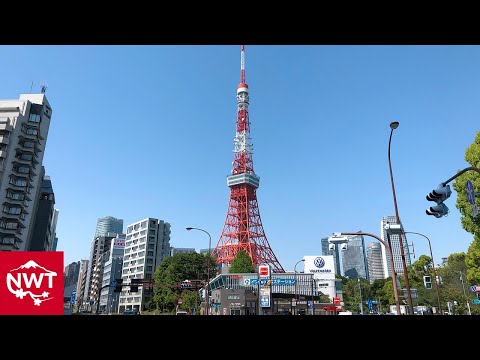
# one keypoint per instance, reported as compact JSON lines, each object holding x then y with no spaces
{"x":321,"y":266}
{"x":265,"y":297}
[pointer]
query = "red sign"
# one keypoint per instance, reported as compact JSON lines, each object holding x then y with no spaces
{"x":235,"y":276}
{"x":336,"y":301}
{"x":31,"y":283}
{"x":264,"y":270}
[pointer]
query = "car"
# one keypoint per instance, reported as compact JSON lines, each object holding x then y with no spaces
{"x":130,"y":312}
{"x":181,"y":312}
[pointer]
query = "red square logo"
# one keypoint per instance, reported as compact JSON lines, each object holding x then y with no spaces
{"x":264,"y":270}
{"x":31,"y":283}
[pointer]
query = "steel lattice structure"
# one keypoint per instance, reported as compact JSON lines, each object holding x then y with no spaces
{"x":243,"y":227}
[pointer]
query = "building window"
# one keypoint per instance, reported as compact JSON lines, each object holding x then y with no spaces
{"x":6,"y":224}
{"x":35,"y":118}
{"x":149,"y":261}
{"x":149,"y":268}
{"x":18,"y":181}
{"x":150,"y":253}
{"x":15,"y":195}
{"x":13,"y":210}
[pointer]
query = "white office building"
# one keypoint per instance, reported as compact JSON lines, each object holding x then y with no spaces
{"x":147,"y":243}
{"x":375,"y":261}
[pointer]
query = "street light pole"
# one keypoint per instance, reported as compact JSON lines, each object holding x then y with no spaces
{"x":207,"y":287}
{"x":296,"y":291}
{"x":361,"y":301}
{"x":464,"y":293}
{"x":394,"y":276}
{"x":393,"y":126}
{"x":433,"y":268}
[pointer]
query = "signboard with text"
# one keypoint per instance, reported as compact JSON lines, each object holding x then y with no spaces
{"x":265,"y":297}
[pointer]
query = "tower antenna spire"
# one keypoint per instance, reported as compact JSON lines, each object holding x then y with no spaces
{"x":242,"y":66}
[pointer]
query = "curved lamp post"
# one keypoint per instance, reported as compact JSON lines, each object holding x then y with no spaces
{"x":207,"y":287}
{"x":394,"y":276}
{"x":296,"y":292}
{"x":433,"y":268}
{"x":393,"y":126}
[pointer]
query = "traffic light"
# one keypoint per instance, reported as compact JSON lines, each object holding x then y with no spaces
{"x":439,"y":195}
{"x":118,"y":285}
{"x":134,"y":284}
{"x":427,"y":281}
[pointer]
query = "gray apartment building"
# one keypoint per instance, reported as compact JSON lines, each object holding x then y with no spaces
{"x":112,"y":270}
{"x":24,"y":125}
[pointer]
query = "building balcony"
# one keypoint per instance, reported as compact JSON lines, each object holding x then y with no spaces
{"x":6,"y":126}
{"x":4,"y":139}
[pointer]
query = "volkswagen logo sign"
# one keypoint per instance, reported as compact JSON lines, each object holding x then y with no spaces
{"x":319,"y":262}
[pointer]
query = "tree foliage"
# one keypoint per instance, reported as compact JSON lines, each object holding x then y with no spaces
{"x":172,"y":271}
{"x":242,"y":264}
{"x":470,"y":223}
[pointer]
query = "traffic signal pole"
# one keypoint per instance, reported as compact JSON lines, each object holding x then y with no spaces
{"x":460,"y":173}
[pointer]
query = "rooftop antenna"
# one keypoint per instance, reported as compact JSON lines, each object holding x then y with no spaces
{"x":31,"y":87}
{"x":43,"y":85}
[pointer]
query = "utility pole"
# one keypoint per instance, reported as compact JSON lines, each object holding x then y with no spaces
{"x":361,"y":301}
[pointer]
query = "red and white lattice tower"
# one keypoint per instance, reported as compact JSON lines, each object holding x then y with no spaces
{"x":243,"y":227}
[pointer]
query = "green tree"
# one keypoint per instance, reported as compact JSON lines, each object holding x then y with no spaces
{"x":175,"y":269}
{"x":241,"y":264}
{"x":470,"y":223}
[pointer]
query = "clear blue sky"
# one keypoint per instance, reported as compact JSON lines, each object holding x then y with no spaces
{"x":147,"y":131}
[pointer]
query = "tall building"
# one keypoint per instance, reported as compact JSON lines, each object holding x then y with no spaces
{"x":82,"y":288}
{"x":53,"y":227}
{"x":45,"y":219}
{"x":395,"y":247}
{"x":100,"y":244}
{"x":109,"y":224}
{"x":70,"y":275}
{"x":349,"y":258}
{"x":24,"y":125}
{"x":243,"y":229}
{"x":147,"y":244}
{"x":112,"y":270}
{"x":354,"y":259}
{"x":328,"y":250}
{"x":375,"y":262}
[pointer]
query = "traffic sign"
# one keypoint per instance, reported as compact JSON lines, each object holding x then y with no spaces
{"x":476,"y":301}
{"x":470,"y":192}
{"x":473,"y":288}
{"x":72,"y":297}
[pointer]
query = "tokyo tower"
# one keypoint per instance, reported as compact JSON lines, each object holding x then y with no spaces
{"x":243,"y":229}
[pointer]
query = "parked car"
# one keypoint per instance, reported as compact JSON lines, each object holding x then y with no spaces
{"x":181,"y":312}
{"x":130,"y":312}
